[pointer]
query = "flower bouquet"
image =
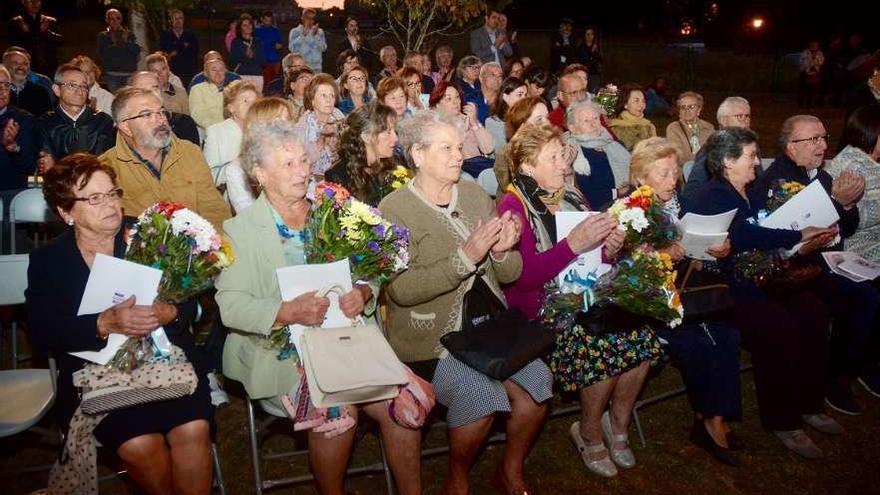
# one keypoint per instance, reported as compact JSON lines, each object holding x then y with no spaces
{"x":643,"y":220}
{"x":394,"y":180}
{"x":639,"y":290}
{"x":780,"y":192}
{"x":607,"y":98}
{"x":190,"y":253}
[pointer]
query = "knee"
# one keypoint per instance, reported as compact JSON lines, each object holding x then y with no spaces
{"x":142,"y":450}
{"x":526,"y":407}
{"x":190,"y":434}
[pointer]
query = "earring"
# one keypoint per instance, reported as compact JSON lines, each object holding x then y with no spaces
{"x":69,"y":221}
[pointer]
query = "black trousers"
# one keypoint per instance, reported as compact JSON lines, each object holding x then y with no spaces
{"x":788,"y":337}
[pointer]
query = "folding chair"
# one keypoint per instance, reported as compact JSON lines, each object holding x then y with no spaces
{"x":13,"y":273}
{"x":28,"y":206}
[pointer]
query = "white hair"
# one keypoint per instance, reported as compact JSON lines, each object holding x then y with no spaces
{"x":725,"y":109}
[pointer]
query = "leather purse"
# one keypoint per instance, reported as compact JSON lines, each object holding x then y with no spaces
{"x":349,"y":365}
{"x":502,"y":341}
{"x":704,"y":294}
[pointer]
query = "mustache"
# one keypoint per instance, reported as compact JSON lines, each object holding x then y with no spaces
{"x":162,"y":129}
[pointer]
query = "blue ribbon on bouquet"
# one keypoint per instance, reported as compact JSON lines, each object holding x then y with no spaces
{"x":574,"y":283}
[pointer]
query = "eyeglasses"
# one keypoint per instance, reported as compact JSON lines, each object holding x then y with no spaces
{"x":577,"y":92}
{"x":74,"y":86}
{"x":5,"y":85}
{"x":742,"y":116}
{"x":814,"y":140}
{"x":473,"y":67}
{"x":414,"y":84}
{"x":160,"y":114}
{"x":101,"y":198}
{"x":688,"y":108}
{"x":357,"y":78}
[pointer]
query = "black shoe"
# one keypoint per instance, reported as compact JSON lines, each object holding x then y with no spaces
{"x":841,"y":400}
{"x":871,"y":383}
{"x":701,"y":438}
{"x":734,"y":443}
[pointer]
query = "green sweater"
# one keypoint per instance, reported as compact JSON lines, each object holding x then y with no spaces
{"x":425,"y":300}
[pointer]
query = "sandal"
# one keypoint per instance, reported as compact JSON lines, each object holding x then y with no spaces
{"x":602,"y":466}
{"x":622,"y":456}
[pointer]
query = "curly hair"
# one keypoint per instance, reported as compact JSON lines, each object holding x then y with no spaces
{"x":69,"y":175}
{"x":351,"y":155}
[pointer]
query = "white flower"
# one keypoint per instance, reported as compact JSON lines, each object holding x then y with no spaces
{"x":634,"y":217}
{"x":187,"y":222}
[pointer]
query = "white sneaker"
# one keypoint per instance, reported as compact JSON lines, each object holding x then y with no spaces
{"x":218,"y":395}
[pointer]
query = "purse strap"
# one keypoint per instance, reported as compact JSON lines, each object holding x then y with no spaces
{"x":339,"y":291}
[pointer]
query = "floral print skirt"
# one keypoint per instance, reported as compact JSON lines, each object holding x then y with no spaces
{"x":581,"y":359}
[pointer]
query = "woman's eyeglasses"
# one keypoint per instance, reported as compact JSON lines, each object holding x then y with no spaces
{"x":101,"y":198}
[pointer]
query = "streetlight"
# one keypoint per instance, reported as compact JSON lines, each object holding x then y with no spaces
{"x":757,"y":23}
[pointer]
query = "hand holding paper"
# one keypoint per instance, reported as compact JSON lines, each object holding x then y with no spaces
{"x":700,"y":232}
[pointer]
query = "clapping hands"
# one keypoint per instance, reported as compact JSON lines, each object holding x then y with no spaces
{"x":497,"y":234}
{"x":847,"y":188}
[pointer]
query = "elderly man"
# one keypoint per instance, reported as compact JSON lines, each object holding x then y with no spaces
{"x":734,"y":111}
{"x":228,"y":76}
{"x":275,"y":87}
{"x":308,"y":40}
{"x":602,"y":164}
{"x":491,"y":76}
{"x":152,"y":164}
{"x":73,"y":126}
{"x":174,"y":97}
{"x":489,"y":42}
{"x":35,"y":32}
{"x":28,"y":92}
{"x":206,"y":97}
{"x":182,"y":48}
{"x":388,"y":58}
{"x":118,"y":50}
{"x":182,"y":124}
{"x":804,"y":141}
{"x":18,"y":153}
{"x":572,"y":89}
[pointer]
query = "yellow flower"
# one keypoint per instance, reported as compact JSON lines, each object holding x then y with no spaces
{"x":643,"y":192}
{"x":349,"y":222}
{"x":667,"y":261}
{"x":225,"y":256}
{"x":363,"y":213}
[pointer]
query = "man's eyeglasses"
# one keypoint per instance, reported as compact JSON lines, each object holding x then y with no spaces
{"x":160,"y":114}
{"x":814,"y":140}
{"x":101,"y":198}
{"x":690,"y":107}
{"x":74,"y":86}
{"x":742,"y":116}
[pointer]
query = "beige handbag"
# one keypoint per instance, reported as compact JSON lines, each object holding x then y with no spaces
{"x":349,"y":365}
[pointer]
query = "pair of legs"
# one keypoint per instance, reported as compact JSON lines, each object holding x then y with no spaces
{"x":329,"y":456}
{"x":621,"y":391}
{"x":178,"y":462}
{"x":522,"y":428}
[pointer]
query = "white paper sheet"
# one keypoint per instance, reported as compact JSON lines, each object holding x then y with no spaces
{"x":837,"y":259}
{"x":698,"y":232}
{"x":812,"y":207}
{"x":111,"y":281}
{"x":588,"y":262}
{"x":296,"y":280}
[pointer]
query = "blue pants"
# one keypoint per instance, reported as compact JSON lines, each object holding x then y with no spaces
{"x":707,"y":355}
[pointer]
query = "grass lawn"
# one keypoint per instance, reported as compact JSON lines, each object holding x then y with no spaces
{"x":668,"y":464}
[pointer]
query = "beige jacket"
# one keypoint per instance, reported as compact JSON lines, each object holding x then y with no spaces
{"x":675,"y":133}
{"x":206,"y":104}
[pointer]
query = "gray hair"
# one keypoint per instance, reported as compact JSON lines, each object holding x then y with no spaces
{"x":418,"y":130}
{"x":489,"y":65}
{"x":122,"y":97}
{"x":465,"y":62}
{"x":4,"y":70}
{"x":726,"y":143}
{"x":788,"y":128}
{"x":385,"y":49}
{"x":572,"y":110}
{"x":725,"y":108}
{"x":264,"y":137}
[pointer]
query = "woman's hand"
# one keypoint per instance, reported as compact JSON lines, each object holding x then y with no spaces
{"x":165,"y":313}
{"x":591,"y":232}
{"x":719,"y":250}
{"x":674,"y":250}
{"x":486,"y":235}
{"x":305,"y":309}
{"x":511,"y":229}
{"x":614,"y":242}
{"x":352,"y":302}
{"x":470,"y":111}
{"x":815,"y":238}
{"x":128,"y":319}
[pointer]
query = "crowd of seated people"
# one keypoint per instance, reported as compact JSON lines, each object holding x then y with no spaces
{"x":243,"y":142}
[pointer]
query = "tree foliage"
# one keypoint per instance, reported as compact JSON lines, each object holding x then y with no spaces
{"x":417,"y":24}
{"x":156,"y":11}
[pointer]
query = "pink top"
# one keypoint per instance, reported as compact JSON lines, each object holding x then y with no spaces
{"x":537,"y":268}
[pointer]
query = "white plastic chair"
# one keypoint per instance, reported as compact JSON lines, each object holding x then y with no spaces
{"x":28,"y":206}
{"x":488,"y":181}
{"x":13,"y":273}
{"x":29,"y":395}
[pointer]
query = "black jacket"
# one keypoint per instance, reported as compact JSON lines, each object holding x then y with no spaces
{"x":15,"y":167}
{"x":32,"y":97}
{"x":59,"y":135}
{"x":184,"y":127}
{"x":24,"y":31}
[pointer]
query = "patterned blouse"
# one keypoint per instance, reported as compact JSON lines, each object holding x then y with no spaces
{"x":866,"y":240}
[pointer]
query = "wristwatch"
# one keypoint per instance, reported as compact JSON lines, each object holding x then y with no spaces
{"x":15,"y":148}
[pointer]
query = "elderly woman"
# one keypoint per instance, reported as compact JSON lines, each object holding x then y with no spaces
{"x":689,"y":132}
{"x":706,"y":350}
{"x":239,"y":187}
{"x":861,"y":154}
{"x":602,"y":165}
{"x":477,"y":145}
{"x":223,"y":140}
{"x":246,"y":55}
{"x":165,"y":446}
{"x":320,"y":121}
{"x":531,"y":110}
{"x":459,"y":250}
{"x":468,"y":75}
{"x":296,"y":80}
{"x":366,"y":153}
{"x":392,"y":92}
{"x":630,"y":125}
{"x":269,"y":235}
{"x":443,"y":57}
{"x":512,"y":90}
{"x":99,"y":98}
{"x":353,"y":94}
{"x":785,"y":330}
{"x":538,"y":192}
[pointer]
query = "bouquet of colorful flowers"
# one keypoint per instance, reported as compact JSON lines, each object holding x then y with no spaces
{"x":643,"y":220}
{"x":642,"y":284}
{"x":342,"y":227}
{"x":780,"y":192}
{"x":607,"y":98}
{"x":190,"y":253}
{"x":395,"y":179}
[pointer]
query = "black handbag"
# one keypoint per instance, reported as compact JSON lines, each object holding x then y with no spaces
{"x":495,"y":341}
{"x":705,"y":294}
